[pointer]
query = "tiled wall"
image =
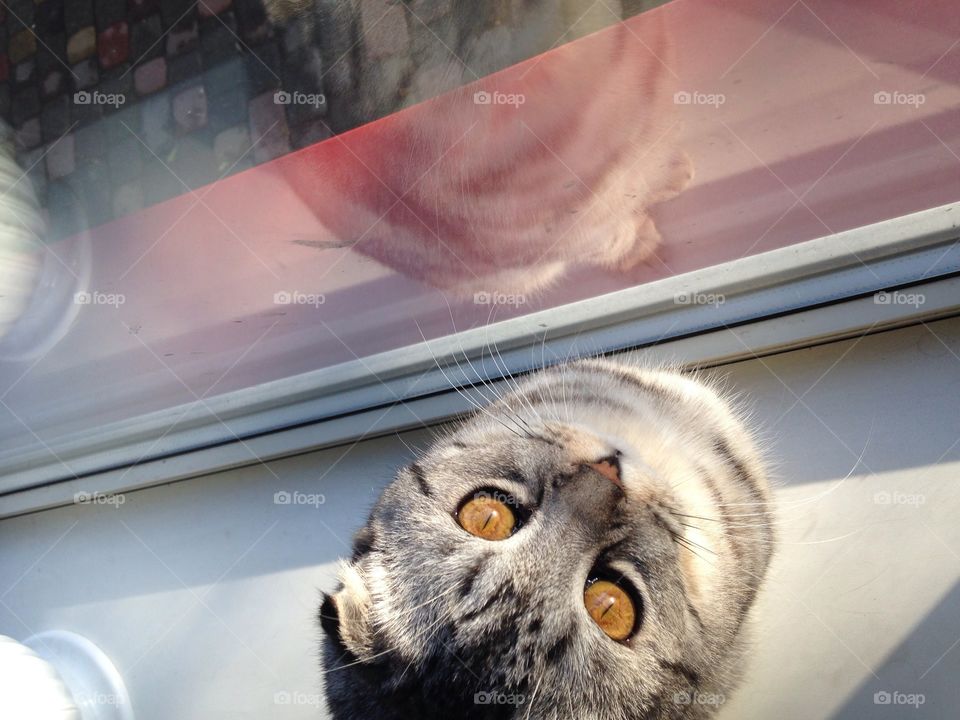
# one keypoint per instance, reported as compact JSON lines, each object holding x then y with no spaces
{"x":118,"y":104}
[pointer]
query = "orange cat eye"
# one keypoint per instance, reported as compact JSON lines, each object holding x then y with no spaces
{"x":611,"y":608}
{"x":487,"y":518}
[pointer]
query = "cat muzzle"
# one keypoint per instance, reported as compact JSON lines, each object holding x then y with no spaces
{"x":609,"y":467}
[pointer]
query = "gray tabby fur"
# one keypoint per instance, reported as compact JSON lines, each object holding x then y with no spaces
{"x":428,"y":618}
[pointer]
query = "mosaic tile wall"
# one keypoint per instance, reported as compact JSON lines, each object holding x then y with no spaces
{"x":103,"y":93}
{"x":119,"y":104}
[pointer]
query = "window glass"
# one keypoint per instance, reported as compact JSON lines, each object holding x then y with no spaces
{"x":202,"y":197}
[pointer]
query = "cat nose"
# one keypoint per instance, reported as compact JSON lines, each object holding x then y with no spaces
{"x":592,"y":494}
{"x":609,"y":467}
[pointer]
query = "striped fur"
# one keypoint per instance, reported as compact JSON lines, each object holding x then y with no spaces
{"x":429,"y":616}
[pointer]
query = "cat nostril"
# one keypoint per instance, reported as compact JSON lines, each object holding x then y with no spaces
{"x":609,"y":467}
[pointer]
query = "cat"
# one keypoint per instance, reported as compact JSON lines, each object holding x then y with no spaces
{"x":503,"y":183}
{"x":587,"y":546}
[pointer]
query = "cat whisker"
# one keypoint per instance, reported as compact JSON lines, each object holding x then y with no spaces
{"x":533,"y":697}
{"x":358,"y":662}
{"x":478,"y":406}
{"x":726,"y":519}
{"x":826,"y":491}
{"x":509,"y":379}
{"x":415,"y":452}
{"x":484,"y":381}
{"x":725,"y":530}
{"x":684,"y":543}
{"x":403,"y":614}
{"x":688,"y":542}
{"x":433,"y":629}
{"x":710,"y":519}
{"x":820,"y":542}
{"x":500,"y":402}
{"x":492,"y":405}
{"x":726,"y":533}
{"x":410,"y":610}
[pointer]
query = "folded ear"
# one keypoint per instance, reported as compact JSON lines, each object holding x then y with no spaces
{"x":345,"y":615}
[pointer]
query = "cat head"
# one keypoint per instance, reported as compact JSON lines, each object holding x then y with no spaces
{"x":533,"y":564}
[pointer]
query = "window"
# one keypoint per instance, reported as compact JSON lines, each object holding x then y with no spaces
{"x":235,"y":195}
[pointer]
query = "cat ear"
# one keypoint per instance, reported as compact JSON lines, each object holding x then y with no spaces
{"x":345,"y":615}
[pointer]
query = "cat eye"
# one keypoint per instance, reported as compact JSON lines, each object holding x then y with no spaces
{"x":611,"y":607}
{"x":487,"y":516}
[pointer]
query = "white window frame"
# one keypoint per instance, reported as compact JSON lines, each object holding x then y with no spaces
{"x":802,"y":294}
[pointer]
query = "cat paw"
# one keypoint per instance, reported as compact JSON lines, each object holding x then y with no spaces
{"x":679,"y":176}
{"x":646,"y":240}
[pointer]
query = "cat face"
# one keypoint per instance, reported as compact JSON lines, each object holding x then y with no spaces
{"x":538,"y":556}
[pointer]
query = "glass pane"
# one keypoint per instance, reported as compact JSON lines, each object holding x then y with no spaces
{"x":226,"y":193}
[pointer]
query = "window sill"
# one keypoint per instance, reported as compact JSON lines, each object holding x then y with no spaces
{"x":785,"y":298}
